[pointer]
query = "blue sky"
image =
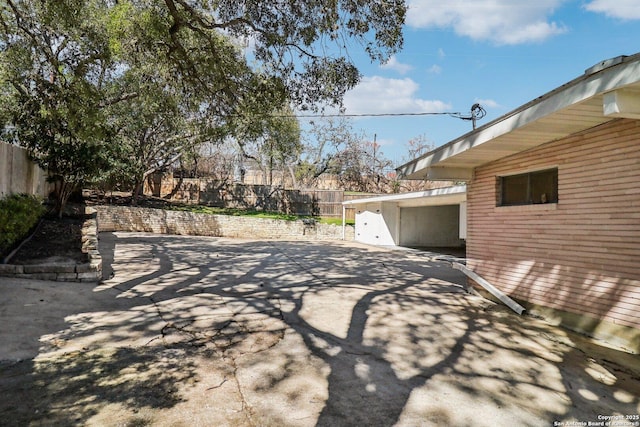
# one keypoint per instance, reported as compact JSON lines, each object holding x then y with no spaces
{"x":499,"y":53}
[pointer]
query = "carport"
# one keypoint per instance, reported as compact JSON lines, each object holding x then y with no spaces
{"x":431,"y":218}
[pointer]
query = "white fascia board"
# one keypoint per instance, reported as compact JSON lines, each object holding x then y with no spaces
{"x":455,"y":190}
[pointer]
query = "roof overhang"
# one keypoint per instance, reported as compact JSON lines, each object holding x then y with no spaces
{"x":607,"y":91}
{"x":436,"y":197}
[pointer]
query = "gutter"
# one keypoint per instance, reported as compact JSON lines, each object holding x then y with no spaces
{"x":489,"y":287}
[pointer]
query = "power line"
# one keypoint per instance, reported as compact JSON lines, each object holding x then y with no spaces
{"x":477,"y":112}
{"x":457,"y":115}
{"x":315,"y":116}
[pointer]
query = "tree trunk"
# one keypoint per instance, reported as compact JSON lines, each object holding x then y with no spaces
{"x":294,"y":181}
{"x":137,"y":191}
{"x":62,"y":191}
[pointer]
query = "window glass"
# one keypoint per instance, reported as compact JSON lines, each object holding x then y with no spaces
{"x":528,"y":188}
{"x":514,"y":190}
{"x":544,"y":186}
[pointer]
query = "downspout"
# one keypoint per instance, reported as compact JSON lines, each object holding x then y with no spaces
{"x":489,"y":287}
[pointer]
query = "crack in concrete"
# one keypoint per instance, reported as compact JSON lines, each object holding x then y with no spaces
{"x":224,"y":380}
{"x":224,"y":337}
{"x":247,"y":409}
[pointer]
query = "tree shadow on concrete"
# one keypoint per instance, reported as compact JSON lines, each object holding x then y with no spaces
{"x":356,"y":336}
{"x":455,"y":330}
{"x":73,"y":387}
{"x":409,"y":321}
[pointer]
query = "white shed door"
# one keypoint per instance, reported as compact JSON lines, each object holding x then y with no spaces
{"x":368,"y":227}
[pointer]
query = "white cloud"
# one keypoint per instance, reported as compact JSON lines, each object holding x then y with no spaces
{"x":379,"y":95}
{"x":385,"y":142}
{"x":488,"y":103}
{"x":622,"y":9}
{"x":393,"y":64}
{"x":500,"y":21}
{"x":434,"y":69}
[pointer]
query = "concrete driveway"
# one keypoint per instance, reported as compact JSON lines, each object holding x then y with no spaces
{"x":194,"y":331}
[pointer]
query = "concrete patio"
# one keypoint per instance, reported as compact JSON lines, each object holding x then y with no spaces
{"x":203,"y":331}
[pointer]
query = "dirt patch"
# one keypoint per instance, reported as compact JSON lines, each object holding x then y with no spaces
{"x":55,"y":240}
{"x":92,"y":198}
{"x":59,"y":240}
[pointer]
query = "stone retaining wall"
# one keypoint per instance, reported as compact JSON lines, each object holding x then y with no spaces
{"x":90,"y":271}
{"x":125,"y":218}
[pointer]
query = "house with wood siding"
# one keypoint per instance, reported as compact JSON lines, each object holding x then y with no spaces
{"x":553,"y":201}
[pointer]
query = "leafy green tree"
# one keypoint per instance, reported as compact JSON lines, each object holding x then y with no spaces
{"x":50,"y":59}
{"x":290,"y":37}
{"x":94,"y":86}
{"x":152,"y":130}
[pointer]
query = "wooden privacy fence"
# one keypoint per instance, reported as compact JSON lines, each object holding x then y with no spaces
{"x":325,"y":203}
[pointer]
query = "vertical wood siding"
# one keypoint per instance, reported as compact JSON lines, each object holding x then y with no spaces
{"x":581,"y":255}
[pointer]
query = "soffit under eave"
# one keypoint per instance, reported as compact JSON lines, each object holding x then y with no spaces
{"x":556,"y":126}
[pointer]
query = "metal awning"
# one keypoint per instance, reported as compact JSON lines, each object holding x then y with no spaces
{"x":606,"y":91}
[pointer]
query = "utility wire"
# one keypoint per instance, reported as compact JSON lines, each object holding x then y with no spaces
{"x":477,"y":112}
{"x":315,"y":116}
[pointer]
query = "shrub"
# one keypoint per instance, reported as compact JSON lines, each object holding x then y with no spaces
{"x":19,"y":213}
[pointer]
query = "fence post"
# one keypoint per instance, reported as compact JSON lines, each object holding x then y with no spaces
{"x":344,"y":221}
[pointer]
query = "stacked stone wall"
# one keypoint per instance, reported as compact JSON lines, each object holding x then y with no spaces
{"x":133,"y":219}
